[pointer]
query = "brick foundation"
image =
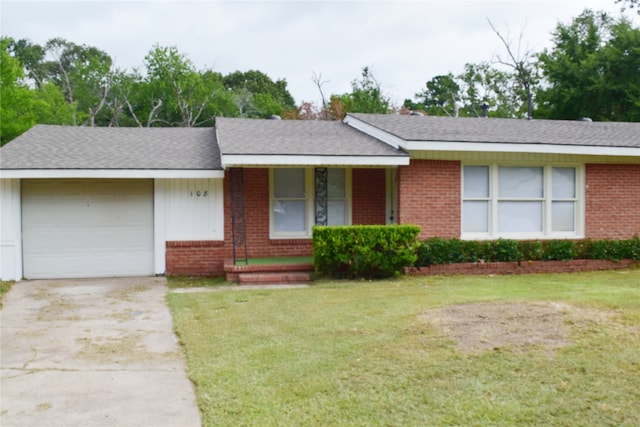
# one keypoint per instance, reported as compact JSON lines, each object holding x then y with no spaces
{"x":195,"y":258}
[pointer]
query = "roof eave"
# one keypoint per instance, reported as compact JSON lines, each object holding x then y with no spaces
{"x":237,"y":160}
{"x":110,"y":173}
{"x":375,"y":132}
{"x":495,"y":147}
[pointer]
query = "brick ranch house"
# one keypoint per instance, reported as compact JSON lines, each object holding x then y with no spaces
{"x":92,"y":202}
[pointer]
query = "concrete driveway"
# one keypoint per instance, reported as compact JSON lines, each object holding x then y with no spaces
{"x":92,"y":352}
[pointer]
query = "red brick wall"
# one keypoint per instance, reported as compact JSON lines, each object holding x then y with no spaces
{"x":429,"y":196}
{"x":206,"y":258}
{"x":368,"y":189}
{"x":195,"y":258}
{"x":612,"y":204}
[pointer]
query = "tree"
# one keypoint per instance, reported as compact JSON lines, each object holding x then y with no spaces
{"x":465,"y":94}
{"x":523,"y":74}
{"x":16,"y":99}
{"x":592,"y":70}
{"x":174,"y":93}
{"x":306,"y":111}
{"x":620,"y":59}
{"x":51,"y":108}
{"x":324,"y":111}
{"x":32,"y":59}
{"x":441,"y":97}
{"x":483,"y":84}
{"x":257,"y":95}
{"x":630,"y":4}
{"x":84,"y":75}
{"x":504,"y":86}
{"x":366,"y":97}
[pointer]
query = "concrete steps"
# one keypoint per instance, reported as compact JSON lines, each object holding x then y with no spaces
{"x":268,"y":274}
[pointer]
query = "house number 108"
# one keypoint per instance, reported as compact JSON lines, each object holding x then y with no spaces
{"x":199,"y":193}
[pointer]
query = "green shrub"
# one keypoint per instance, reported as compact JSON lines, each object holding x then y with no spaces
{"x":613,"y":250}
{"x":558,"y":250}
{"x":364,"y":251}
{"x":447,"y":251}
{"x":501,"y":250}
{"x":598,"y":249}
{"x":530,"y":250}
{"x":631,"y":248}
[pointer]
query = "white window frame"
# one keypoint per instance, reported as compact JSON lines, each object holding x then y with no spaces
{"x":547,"y":202}
{"x":309,"y":177}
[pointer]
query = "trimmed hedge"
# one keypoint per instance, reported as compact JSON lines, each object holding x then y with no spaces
{"x":450,"y":251}
{"x":364,"y":251}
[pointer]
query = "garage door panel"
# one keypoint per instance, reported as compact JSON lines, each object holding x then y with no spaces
{"x":87,"y":228}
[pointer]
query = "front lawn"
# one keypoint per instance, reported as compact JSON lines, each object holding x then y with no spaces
{"x":471,"y":351}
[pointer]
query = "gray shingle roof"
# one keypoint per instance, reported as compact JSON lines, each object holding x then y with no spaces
{"x":517,"y":131}
{"x":67,"y":147}
{"x":297,"y":137}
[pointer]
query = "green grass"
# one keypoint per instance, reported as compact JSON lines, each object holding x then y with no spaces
{"x":360,"y":354}
{"x":4,"y":288}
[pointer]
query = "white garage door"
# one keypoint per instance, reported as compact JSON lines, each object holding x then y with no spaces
{"x":87,"y":228}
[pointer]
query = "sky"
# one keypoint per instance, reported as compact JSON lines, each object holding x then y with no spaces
{"x":404,"y":43}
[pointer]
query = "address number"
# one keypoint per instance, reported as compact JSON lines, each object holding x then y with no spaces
{"x":199,"y":193}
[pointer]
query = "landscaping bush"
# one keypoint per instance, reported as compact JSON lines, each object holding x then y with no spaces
{"x":631,"y":248}
{"x":530,"y":250}
{"x":559,"y":250}
{"x":501,"y":250}
{"x":364,"y":251}
{"x":613,"y":250}
{"x":449,"y":251}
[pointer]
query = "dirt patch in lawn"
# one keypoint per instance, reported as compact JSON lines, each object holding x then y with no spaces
{"x":479,"y":327}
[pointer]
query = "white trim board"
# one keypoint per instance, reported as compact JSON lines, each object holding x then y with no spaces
{"x":109,"y":173}
{"x":520,"y":148}
{"x":295,"y":160}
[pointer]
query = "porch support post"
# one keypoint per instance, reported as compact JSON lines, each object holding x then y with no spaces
{"x":238,"y":221}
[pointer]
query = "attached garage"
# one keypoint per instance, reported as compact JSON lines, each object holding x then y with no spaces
{"x":102,"y":202}
{"x":87,"y":228}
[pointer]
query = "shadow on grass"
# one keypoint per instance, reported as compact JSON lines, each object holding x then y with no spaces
{"x":175,"y":282}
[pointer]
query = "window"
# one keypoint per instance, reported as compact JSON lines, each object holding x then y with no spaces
{"x":337,"y":197}
{"x":289,"y":201}
{"x":293,"y":203}
{"x":520,"y":201}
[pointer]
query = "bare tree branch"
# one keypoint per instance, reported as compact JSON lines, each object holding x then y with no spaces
{"x":521,"y":65}
{"x":317,"y":79}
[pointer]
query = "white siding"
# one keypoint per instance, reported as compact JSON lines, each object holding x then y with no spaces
{"x":187,"y":209}
{"x":10,"y":230}
{"x":193,"y":209}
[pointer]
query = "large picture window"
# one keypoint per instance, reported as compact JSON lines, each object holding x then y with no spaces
{"x":293,"y":197}
{"x":520,"y":201}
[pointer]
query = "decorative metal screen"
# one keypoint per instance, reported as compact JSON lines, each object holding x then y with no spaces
{"x":322,"y":195}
